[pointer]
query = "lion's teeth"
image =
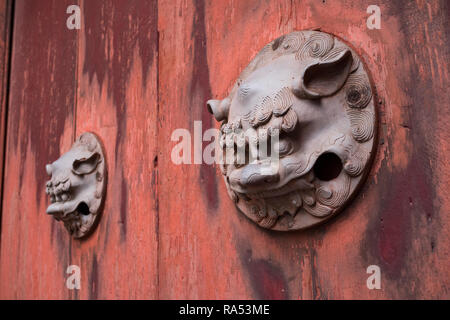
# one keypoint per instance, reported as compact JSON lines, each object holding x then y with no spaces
{"x":66,"y":186}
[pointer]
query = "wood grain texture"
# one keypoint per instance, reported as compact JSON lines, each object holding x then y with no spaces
{"x":65,"y":82}
{"x":138,"y":70}
{"x":35,"y":250}
{"x":117,"y":99}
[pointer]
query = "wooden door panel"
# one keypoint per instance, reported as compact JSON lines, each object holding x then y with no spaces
{"x":398,"y":221}
{"x":117,"y":99}
{"x":35,"y":250}
{"x":101,"y":78}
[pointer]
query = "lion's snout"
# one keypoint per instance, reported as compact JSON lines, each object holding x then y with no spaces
{"x":253,"y":175}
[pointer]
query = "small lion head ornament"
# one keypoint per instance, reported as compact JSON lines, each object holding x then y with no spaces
{"x":310,"y":91}
{"x":77,"y":185}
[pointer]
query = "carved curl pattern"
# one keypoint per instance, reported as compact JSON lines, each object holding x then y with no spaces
{"x":362,"y":124}
{"x":280,"y":107}
{"x":334,"y":197}
{"x":357,"y":91}
{"x":317,"y":46}
{"x":355,"y":163}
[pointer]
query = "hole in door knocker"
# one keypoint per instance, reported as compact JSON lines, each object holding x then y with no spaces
{"x":309,"y":92}
{"x":327,"y":167}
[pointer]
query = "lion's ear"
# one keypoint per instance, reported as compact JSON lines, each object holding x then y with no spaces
{"x":324,"y":78}
{"x":86,"y":165}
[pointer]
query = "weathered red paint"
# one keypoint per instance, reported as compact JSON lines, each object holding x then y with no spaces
{"x":138,"y":70}
{"x":40,"y":126}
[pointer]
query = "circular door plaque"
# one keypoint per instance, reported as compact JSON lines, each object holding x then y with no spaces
{"x":309,"y":98}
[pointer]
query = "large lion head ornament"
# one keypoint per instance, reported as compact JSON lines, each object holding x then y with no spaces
{"x":311,"y":92}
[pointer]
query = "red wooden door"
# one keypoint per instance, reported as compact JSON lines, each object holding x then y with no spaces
{"x":137,"y":70}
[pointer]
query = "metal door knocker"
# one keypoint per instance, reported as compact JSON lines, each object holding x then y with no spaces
{"x":77,"y":185}
{"x":310,"y":91}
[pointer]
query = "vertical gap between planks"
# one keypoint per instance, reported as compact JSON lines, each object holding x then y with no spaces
{"x":158,"y":247}
{"x":74,"y":113}
{"x":77,"y":56}
{"x":6,"y":61}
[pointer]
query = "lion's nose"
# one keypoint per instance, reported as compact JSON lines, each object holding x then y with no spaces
{"x":254,"y":175}
{"x":49,"y":169}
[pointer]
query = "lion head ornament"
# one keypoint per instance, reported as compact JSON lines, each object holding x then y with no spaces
{"x":77,"y":185}
{"x":310,"y":91}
